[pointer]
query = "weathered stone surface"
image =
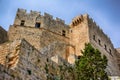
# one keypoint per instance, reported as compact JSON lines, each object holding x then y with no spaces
{"x":46,"y":21}
{"x":3,"y":35}
{"x":79,"y":34}
{"x":84,"y":30}
{"x":118,"y":56}
{"x":25,"y":62}
{"x":4,"y":50}
{"x":38,"y":41}
{"x":101,"y":41}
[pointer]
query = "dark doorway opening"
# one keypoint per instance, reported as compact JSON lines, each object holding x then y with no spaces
{"x":37,"y":25}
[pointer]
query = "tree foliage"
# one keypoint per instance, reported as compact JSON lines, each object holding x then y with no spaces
{"x":92,"y":65}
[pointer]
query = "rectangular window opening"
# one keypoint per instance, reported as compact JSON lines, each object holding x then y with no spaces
{"x":22,"y":23}
{"x":110,"y":52}
{"x":37,"y":25}
{"x":93,"y":37}
{"x":29,"y":72}
{"x":99,"y":42}
{"x":105,"y":47}
{"x":63,"y":33}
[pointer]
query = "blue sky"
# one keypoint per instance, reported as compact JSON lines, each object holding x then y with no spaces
{"x":106,"y":13}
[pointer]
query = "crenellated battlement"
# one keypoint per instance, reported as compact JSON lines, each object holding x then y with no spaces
{"x":24,"y":11}
{"x":46,"y":15}
{"x":36,"y":20}
{"x":36,"y":39}
{"x":85,"y":30}
{"x":21,"y":11}
{"x":34,"y":12}
{"x":92,"y":24}
{"x":77,"y":20}
{"x":60,"y":20}
{"x":35,"y":16}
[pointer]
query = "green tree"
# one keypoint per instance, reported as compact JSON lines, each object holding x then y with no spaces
{"x":92,"y":65}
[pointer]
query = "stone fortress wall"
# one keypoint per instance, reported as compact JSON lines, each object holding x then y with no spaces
{"x":85,"y":30}
{"x":29,"y":64}
{"x":46,"y":21}
{"x":24,"y":62}
{"x":79,"y":33}
{"x":47,"y":26}
{"x":3,"y":35}
{"x":52,"y":39}
{"x":42,"y":36}
{"x":118,"y":56}
{"x":118,"y":49}
{"x":102,"y":42}
{"x":3,"y":47}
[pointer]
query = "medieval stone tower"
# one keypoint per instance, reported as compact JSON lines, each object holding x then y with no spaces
{"x":55,"y":40}
{"x":85,"y":30}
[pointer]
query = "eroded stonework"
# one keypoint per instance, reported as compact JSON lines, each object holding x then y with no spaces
{"x":37,"y":41}
{"x":3,"y":35}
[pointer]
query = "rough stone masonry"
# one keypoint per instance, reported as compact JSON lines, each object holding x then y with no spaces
{"x":36,"y":40}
